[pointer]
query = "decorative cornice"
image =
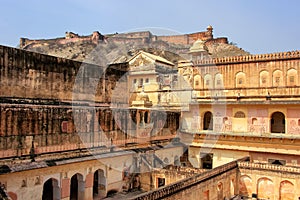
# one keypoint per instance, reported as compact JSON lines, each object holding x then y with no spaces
{"x":249,"y":58}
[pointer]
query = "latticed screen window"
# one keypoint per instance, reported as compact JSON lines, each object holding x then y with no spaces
{"x":277,"y":79}
{"x":147,"y":80}
{"x":207,"y":82}
{"x":263,"y":80}
{"x":196,"y":82}
{"x":292,"y":79}
{"x":218,"y":82}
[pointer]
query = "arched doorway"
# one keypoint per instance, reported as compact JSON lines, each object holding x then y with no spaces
{"x":208,"y":121}
{"x":99,"y":185}
{"x":77,"y":187}
{"x":206,"y":161}
{"x":265,"y":188}
{"x":51,"y":190}
{"x":286,"y":191}
{"x":277,"y":122}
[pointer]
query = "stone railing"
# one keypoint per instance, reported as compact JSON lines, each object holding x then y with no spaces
{"x":269,"y":167}
{"x":250,"y":58}
{"x":185,"y":183}
{"x":202,"y":134}
{"x":120,"y":142}
{"x":179,"y":170}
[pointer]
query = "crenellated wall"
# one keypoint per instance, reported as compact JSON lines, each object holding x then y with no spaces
{"x":250,"y":58}
{"x":144,"y":36}
{"x":95,"y":38}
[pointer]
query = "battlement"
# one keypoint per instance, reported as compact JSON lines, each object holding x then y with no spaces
{"x":250,"y":58}
{"x":269,"y":167}
{"x":144,"y":36}
{"x":188,"y":39}
{"x":95,"y":37}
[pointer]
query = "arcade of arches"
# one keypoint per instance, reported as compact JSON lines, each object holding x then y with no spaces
{"x":247,"y":120}
{"x":77,"y":188}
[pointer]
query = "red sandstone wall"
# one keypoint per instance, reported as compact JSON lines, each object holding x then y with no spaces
{"x":222,"y":40}
{"x":176,"y":39}
{"x":142,"y":34}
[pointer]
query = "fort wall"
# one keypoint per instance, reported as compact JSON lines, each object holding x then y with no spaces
{"x":32,"y":75}
{"x":95,"y":37}
{"x":144,"y":36}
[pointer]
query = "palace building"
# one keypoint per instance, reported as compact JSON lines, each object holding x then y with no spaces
{"x":151,"y":125}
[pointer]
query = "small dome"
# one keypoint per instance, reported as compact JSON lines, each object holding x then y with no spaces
{"x":198,"y":46}
{"x":209,"y":27}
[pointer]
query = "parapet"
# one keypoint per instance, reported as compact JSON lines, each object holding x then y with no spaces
{"x":95,"y":37}
{"x":250,"y":58}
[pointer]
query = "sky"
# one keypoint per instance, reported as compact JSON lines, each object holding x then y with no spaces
{"x":257,"y":26}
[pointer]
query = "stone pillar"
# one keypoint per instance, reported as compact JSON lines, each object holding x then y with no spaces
{"x":8,"y":122}
{"x":88,"y":192}
{"x":276,"y":182}
{"x":138,"y":117}
{"x":81,"y":189}
{"x":128,"y":124}
{"x":65,"y":189}
{"x":36,"y":123}
{"x":3,"y":122}
{"x":143,"y":118}
{"x":96,"y":138}
{"x":50,"y":121}
{"x":15,"y":122}
{"x":148,"y":117}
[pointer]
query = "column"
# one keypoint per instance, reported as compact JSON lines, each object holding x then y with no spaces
{"x":88,"y":192}
{"x":65,"y":189}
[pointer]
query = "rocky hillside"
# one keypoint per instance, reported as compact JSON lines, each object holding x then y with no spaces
{"x":117,"y":51}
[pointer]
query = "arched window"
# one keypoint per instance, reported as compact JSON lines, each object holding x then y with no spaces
{"x":239,"y":114}
{"x":240,"y":79}
{"x":197,"y":82}
{"x":277,"y":78}
{"x":254,"y":121}
{"x":220,"y":190}
{"x":292,"y":77}
{"x":264,"y":79}
{"x":208,"y":81}
{"x":218,"y":80}
{"x":208,"y":121}
{"x":277,"y":122}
